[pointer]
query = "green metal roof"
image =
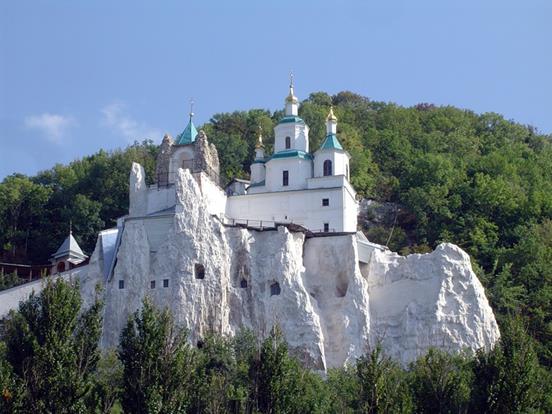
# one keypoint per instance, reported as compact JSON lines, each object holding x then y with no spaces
{"x":292,"y":153}
{"x":188,"y":135}
{"x":331,"y":142}
{"x":289,"y":119}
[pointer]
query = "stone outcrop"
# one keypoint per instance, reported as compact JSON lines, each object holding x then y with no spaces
{"x":330,"y":306}
{"x":202,"y":157}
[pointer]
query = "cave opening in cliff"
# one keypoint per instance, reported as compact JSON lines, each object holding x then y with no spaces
{"x":341,"y":285}
{"x":243,"y":283}
{"x":274,"y":289}
{"x":199,"y":271}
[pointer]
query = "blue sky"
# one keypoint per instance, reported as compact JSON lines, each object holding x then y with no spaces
{"x":77,"y":76}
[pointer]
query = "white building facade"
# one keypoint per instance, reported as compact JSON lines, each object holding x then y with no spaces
{"x":290,"y":186}
{"x":296,"y":186}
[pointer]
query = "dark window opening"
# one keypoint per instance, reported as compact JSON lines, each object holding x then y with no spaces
{"x":200,"y":344}
{"x":326,"y":227}
{"x":61,"y":267}
{"x":165,"y":283}
{"x":243,"y":283}
{"x":288,"y":142}
{"x":121,"y":284}
{"x":325,"y":201}
{"x":274,"y":289}
{"x":327,"y":167}
{"x":152,"y":284}
{"x":285,"y":178}
{"x":199,"y":271}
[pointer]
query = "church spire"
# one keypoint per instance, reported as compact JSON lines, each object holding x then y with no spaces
{"x":190,"y":132}
{"x":331,"y":122}
{"x":191,"y":109}
{"x":292,"y":103}
{"x":260,"y":138}
{"x":259,"y":147}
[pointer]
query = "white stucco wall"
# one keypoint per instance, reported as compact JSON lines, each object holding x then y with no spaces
{"x":299,"y":171}
{"x":300,"y":207}
{"x":181,"y":154}
{"x":299,"y":134}
{"x":10,"y":298}
{"x":339,"y":159}
{"x":257,"y":172}
{"x":160,"y":198}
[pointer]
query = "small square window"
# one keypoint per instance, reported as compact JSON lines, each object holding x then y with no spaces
{"x":199,"y":271}
{"x":325,"y":201}
{"x":121,"y":284}
{"x":152,"y":284}
{"x":165,"y":283}
{"x":326,"y":227}
{"x":275,"y":289}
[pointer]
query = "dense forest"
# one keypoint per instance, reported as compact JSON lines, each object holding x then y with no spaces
{"x":50,"y":363}
{"x":477,"y":180}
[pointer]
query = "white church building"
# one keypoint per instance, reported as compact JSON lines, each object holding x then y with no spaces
{"x":291,"y":186}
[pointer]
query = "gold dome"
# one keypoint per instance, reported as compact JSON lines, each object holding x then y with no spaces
{"x":291,"y":97}
{"x":331,"y":116}
{"x":260,"y":139}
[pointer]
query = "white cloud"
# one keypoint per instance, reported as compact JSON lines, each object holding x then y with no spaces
{"x":115,"y":117}
{"x":53,"y":126}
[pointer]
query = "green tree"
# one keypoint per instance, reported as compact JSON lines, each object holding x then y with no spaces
{"x":158,"y":364}
{"x":10,"y":388}
{"x":278,"y":389}
{"x":107,"y":382}
{"x":52,"y":346}
{"x":506,"y":378}
{"x":382,"y":385}
{"x":441,"y":383}
{"x":21,"y":203}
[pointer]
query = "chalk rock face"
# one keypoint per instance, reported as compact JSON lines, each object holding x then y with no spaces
{"x":428,"y":300}
{"x":330,"y":307}
{"x":138,"y":190}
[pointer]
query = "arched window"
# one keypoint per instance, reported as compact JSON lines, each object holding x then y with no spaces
{"x":327,"y":167}
{"x":61,"y":267}
{"x":288,"y":142}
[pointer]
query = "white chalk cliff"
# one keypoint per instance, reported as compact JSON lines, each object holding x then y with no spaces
{"x":330,"y":306}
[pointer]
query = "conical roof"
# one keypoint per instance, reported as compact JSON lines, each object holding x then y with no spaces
{"x":69,"y":247}
{"x":188,"y":135}
{"x":331,"y":142}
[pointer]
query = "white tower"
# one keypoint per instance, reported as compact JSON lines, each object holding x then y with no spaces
{"x":331,"y":159}
{"x":258,"y":166}
{"x":291,"y":133}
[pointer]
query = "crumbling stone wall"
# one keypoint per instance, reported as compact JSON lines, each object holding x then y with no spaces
{"x":164,"y":161}
{"x":205,"y":159}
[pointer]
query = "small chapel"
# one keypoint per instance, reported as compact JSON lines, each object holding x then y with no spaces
{"x":293,"y":185}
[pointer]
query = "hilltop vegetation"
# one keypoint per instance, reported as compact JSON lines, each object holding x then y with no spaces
{"x":479,"y":181}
